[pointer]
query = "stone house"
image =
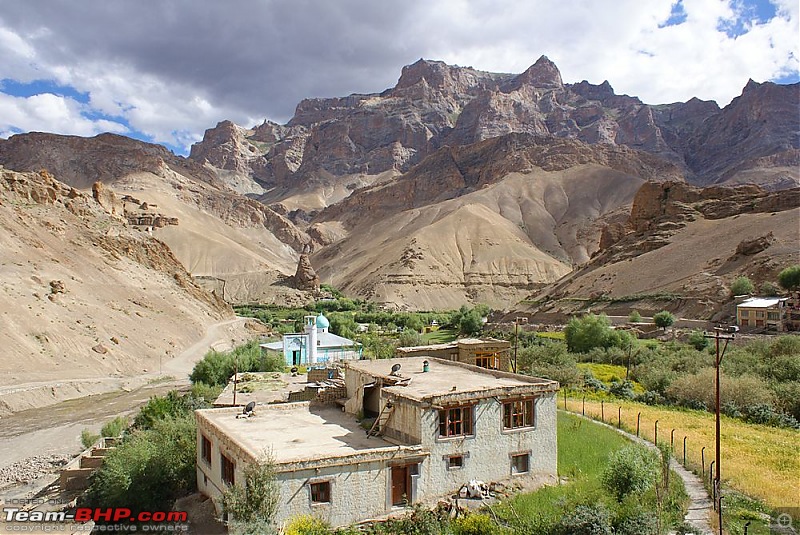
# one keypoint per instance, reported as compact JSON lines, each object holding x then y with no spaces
{"x":488,"y":353}
{"x":437,"y":425}
{"x":763,"y":312}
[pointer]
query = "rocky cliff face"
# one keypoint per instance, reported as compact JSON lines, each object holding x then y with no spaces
{"x":434,"y":104}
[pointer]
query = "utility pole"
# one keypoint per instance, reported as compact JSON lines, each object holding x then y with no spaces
{"x":717,"y":488}
{"x":517,"y":321}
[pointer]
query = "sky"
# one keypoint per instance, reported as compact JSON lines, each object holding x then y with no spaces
{"x":166,"y":71}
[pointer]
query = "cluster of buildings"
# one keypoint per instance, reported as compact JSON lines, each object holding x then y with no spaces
{"x":778,"y":314}
{"x":438,"y":417}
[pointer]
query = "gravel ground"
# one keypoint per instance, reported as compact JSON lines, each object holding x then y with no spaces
{"x":32,"y":468}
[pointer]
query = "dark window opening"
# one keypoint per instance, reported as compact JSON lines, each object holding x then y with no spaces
{"x":455,"y":461}
{"x":321,"y":492}
{"x":228,"y":470}
{"x":455,"y":421}
{"x":518,"y":413}
{"x":519,"y":463}
{"x":206,"y":449}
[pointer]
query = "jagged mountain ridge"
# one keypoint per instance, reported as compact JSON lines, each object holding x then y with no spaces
{"x":434,"y":105}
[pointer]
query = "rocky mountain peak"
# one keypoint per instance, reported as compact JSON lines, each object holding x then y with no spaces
{"x":433,"y":72}
{"x":543,"y":73}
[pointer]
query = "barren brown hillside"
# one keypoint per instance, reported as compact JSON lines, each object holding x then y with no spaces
{"x":82,"y":295}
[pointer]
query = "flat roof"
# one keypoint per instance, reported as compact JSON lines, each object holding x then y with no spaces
{"x":324,"y":339}
{"x":296,"y":432}
{"x":448,"y":379}
{"x":761,"y":302}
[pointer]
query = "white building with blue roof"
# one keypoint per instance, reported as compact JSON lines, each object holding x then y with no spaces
{"x":314,"y":346}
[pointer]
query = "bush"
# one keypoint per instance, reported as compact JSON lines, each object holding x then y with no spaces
{"x":217,"y":368}
{"x":252,"y":505}
{"x":149,"y":470}
{"x":410,"y":338}
{"x":306,"y":525}
{"x":741,"y":286}
{"x":586,"y":520}
{"x":698,"y":340}
{"x":634,"y":317}
{"x":589,"y":332}
{"x":663,"y":319}
{"x":789,"y":278}
{"x":633,"y":469}
{"x":769,"y":289}
{"x":474,"y":524}
{"x":88,"y":438}
{"x":766,"y":415}
{"x":622,"y":389}
{"x":637,"y":523}
{"x":115,"y":427}
{"x":697,"y":391}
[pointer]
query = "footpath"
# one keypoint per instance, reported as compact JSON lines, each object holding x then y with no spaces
{"x":700,"y":504}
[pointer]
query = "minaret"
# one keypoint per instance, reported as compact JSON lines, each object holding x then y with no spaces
{"x":311,"y":332}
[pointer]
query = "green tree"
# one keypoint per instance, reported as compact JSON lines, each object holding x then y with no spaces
{"x":252,"y":506}
{"x":789,"y":278}
{"x":590,"y":331}
{"x":769,"y":289}
{"x":663,"y":319}
{"x":410,"y":338}
{"x":698,"y":340}
{"x":741,"y":286}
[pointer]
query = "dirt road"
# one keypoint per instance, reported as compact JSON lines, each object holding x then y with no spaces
{"x":56,"y":429}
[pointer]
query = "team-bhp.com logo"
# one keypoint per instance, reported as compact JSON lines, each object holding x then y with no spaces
{"x":124,"y":519}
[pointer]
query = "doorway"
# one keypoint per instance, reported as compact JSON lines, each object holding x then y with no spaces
{"x":401,"y":485}
{"x":296,"y":358}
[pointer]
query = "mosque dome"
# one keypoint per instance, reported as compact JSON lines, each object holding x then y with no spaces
{"x":322,"y":322}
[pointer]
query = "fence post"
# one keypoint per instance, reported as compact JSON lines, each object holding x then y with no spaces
{"x":583,"y":406}
{"x":672,"y":438}
{"x":684,"y":450}
{"x":565,"y":399}
{"x":703,"y":460}
{"x":655,"y":433}
{"x":602,"y":411}
{"x":619,"y":418}
{"x":638,"y":416}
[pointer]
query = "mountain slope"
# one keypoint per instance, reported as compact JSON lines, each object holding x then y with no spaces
{"x":82,"y":294}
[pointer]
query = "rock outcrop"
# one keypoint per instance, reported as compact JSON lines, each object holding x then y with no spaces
{"x":305,"y":278}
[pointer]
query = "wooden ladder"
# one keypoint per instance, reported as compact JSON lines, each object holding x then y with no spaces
{"x":380,"y":421}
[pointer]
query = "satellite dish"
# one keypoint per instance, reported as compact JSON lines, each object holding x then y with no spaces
{"x":250,"y":407}
{"x":395,"y":369}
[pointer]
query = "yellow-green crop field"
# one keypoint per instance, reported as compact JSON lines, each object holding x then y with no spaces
{"x":760,"y":461}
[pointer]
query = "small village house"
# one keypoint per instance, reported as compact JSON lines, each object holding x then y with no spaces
{"x":769,"y":313}
{"x":437,"y":425}
{"x":488,"y":353}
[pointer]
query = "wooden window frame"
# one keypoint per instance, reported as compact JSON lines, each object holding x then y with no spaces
{"x":519,"y":414}
{"x":455,"y":462}
{"x":319,"y":492}
{"x":456,"y":421}
{"x":227,"y":469}
{"x":205,"y":449}
{"x":521,"y":455}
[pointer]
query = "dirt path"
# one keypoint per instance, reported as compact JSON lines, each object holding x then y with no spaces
{"x":56,"y":429}
{"x":699,"y":500}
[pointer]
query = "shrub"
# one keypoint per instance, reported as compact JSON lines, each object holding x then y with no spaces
{"x":634,"y":317}
{"x":697,"y":390}
{"x":88,"y":438}
{"x":586,"y":520}
{"x":789,"y":278}
{"x":149,"y":470}
{"x":769,"y":289}
{"x":589,"y":332}
{"x":474,"y":524}
{"x":766,"y":415}
{"x":698,"y":340}
{"x":217,"y":368}
{"x":638,"y":522}
{"x":632,"y":469}
{"x":252,"y":505}
{"x":115,"y":427}
{"x":410,"y":338}
{"x":663,"y":319}
{"x":306,"y":525}
{"x":622,"y":389}
{"x":741,"y":286}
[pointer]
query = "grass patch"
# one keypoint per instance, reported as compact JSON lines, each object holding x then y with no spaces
{"x":584,"y":449}
{"x":757,"y":460}
{"x":440,"y":336}
{"x":551,"y":335}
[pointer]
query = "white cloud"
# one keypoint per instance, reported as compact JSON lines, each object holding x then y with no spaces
{"x":173,"y":70}
{"x":50,"y":113}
